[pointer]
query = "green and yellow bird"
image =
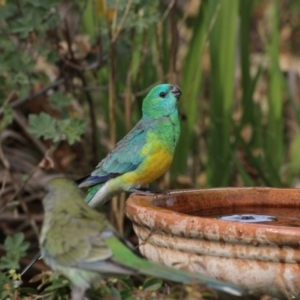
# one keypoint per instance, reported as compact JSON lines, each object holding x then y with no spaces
{"x":79,"y":243}
{"x":144,"y":154}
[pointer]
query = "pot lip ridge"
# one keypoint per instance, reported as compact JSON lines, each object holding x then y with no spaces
{"x":142,"y":212}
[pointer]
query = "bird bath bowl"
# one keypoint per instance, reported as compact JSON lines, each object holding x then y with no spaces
{"x":246,"y":236}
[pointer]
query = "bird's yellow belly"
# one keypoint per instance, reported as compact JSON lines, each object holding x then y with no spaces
{"x":158,"y":159}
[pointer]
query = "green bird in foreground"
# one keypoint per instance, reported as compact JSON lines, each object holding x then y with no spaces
{"x":144,"y":154}
{"x":80,"y":243}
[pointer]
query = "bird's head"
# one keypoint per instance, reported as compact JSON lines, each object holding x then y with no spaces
{"x":58,"y":184}
{"x":161,"y":101}
{"x":60,"y":188}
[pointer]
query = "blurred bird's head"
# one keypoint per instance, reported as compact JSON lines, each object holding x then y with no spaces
{"x":161,"y":101}
{"x":58,"y":184}
{"x":61,"y":189}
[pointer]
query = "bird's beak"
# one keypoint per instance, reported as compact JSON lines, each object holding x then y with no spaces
{"x":176,"y":91}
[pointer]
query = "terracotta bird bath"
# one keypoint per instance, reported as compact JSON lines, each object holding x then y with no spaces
{"x":246,"y":236}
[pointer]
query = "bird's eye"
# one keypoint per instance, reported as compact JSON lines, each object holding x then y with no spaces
{"x":162,"y":94}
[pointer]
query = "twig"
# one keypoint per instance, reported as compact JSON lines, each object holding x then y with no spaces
{"x":51,"y":12}
{"x":144,"y":50}
{"x":92,"y":66}
{"x":88,"y":97}
{"x":111,"y":88}
{"x":10,"y":97}
{"x":5,"y":163}
{"x":93,"y":120}
{"x":22,"y":122}
{"x":111,"y":105}
{"x":89,"y":88}
{"x":120,"y":26}
{"x":19,"y":6}
{"x":3,"y":183}
{"x":174,"y":44}
{"x":158,"y":59}
{"x":167,"y":11}
{"x":117,"y":212}
{"x":21,"y":217}
{"x":23,"y":204}
{"x":146,"y":90}
{"x":27,"y":199}
{"x":18,"y":190}
{"x":36,"y":95}
{"x":128,"y":90}
{"x":81,"y":13}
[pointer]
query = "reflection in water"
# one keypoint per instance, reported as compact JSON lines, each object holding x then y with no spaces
{"x":248,"y":218}
{"x":268,"y":215}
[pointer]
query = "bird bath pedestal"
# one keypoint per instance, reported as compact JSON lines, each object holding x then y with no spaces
{"x":246,"y":236}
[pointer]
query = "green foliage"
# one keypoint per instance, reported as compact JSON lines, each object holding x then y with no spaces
{"x":48,"y":127}
{"x":5,"y":284}
{"x":7,"y":117}
{"x":222,"y":59}
{"x":152,"y":284}
{"x":15,"y":248}
{"x":31,"y":16}
{"x":274,"y":138}
{"x":59,"y":100}
{"x":43,"y":125}
{"x":55,"y":287}
{"x":98,"y":62}
{"x":56,"y":284}
{"x":21,"y":28}
{"x":136,"y":44}
{"x":192,"y":72}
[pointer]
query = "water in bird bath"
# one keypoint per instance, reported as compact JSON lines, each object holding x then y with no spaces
{"x":278,"y":216}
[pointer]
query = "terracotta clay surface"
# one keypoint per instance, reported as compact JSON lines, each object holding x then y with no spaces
{"x":264,"y":258}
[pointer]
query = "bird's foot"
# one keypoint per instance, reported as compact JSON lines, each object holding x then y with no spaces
{"x":146,"y":191}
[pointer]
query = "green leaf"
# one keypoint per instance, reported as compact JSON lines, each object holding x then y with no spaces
{"x":192,"y":72}
{"x":222,"y":48}
{"x":295,"y":154}
{"x":59,"y":100}
{"x":7,"y":117}
{"x":127,"y":295}
{"x":71,"y":129}
{"x":4,"y":280}
{"x":42,"y":125}
{"x":57,"y":284}
{"x":115,"y":293}
{"x":15,"y":248}
{"x":152,"y":284}
{"x":126,"y":282}
{"x":28,"y":290}
{"x":7,"y":11}
{"x":16,"y":242}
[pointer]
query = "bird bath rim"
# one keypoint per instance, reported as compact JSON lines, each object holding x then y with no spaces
{"x":150,"y":203}
{"x":251,"y":255}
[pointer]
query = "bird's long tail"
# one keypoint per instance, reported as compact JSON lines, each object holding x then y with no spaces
{"x":123,"y":256}
{"x":33,"y":260}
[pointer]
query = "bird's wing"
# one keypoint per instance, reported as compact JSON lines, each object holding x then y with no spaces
{"x":85,"y":242}
{"x":105,"y":266}
{"x":93,"y":253}
{"x":125,"y":157}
